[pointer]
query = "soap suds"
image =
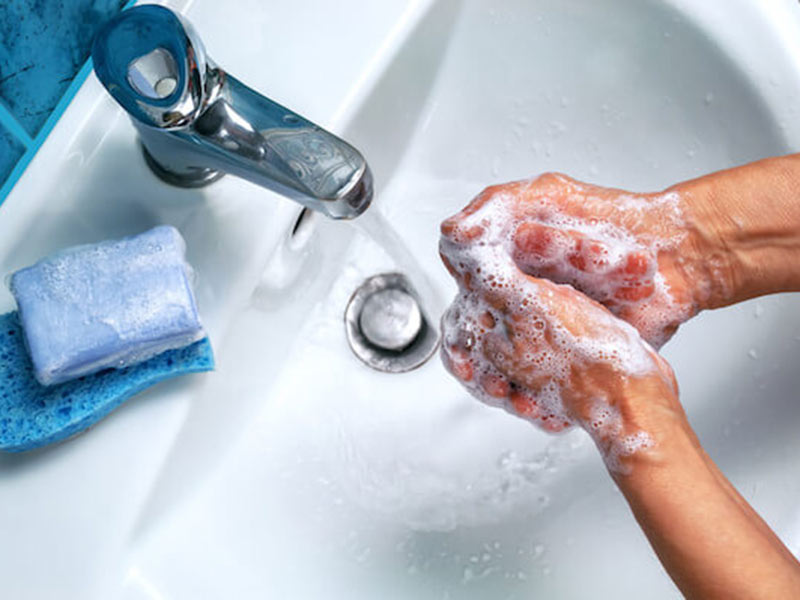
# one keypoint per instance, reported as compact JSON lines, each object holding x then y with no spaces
{"x":603,"y":258}
{"x":502,"y":321}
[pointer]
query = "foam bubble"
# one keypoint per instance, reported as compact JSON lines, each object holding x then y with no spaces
{"x":606,"y":427}
{"x":494,"y":293}
{"x":608,"y":256}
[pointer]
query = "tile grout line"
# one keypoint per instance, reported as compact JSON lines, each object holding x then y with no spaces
{"x":34,"y":144}
{"x":13,"y":126}
{"x":46,"y":128}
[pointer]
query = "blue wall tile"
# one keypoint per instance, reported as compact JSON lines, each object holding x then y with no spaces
{"x":43,"y":44}
{"x":10,"y":151}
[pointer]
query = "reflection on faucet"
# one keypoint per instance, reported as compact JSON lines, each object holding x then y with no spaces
{"x":197,"y":123}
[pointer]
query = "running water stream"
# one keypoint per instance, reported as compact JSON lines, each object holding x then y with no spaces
{"x":379,"y":230}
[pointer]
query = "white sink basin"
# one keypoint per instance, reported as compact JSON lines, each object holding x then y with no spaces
{"x":294,"y":471}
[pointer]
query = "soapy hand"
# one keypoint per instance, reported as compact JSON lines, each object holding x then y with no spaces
{"x":543,"y":351}
{"x":634,"y":253}
{"x":519,"y":338}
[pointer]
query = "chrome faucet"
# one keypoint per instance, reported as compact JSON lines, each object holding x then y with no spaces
{"x":196,"y":122}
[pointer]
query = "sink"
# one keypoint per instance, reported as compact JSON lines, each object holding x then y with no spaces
{"x":296,"y":471}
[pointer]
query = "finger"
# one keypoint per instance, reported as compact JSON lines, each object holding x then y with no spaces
{"x":459,"y":363}
{"x":635,"y":293}
{"x":464,"y":278}
{"x":553,"y":423}
{"x":543,"y":250}
{"x":525,"y":404}
{"x":497,"y":386}
{"x":454,"y":227}
{"x":487,"y":194}
{"x":487,"y":320}
{"x":499,"y":351}
{"x":537,"y":241}
{"x":449,"y":266}
{"x":638,"y":265}
{"x":509,"y":361}
{"x":455,"y":230}
{"x":589,"y":256}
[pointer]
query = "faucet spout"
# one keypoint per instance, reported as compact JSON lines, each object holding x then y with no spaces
{"x":196,"y":122}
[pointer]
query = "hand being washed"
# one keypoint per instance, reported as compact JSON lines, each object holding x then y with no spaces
{"x":635,"y":253}
{"x":545,"y":351}
{"x":517,"y":338}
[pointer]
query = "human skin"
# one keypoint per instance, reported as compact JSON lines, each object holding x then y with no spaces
{"x":730,"y":236}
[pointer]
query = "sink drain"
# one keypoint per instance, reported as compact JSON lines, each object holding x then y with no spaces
{"x":386,"y":325}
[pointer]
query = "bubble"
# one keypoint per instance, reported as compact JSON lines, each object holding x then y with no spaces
{"x":491,"y":270}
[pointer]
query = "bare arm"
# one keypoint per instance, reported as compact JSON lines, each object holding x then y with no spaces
{"x":748,"y":220}
{"x":653,"y":260}
{"x":709,"y":539}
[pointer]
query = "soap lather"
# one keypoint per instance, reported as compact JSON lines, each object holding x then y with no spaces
{"x":105,"y":305}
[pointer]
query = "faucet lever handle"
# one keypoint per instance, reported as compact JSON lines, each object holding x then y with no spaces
{"x":197,"y":122}
{"x":154,"y":65}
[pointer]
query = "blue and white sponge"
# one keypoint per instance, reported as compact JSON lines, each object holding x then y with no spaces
{"x":33,"y":415}
{"x":105,"y":305}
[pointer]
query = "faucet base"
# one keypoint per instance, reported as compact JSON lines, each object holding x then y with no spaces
{"x":197,"y":177}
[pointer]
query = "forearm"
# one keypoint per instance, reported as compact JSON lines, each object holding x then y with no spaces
{"x":709,"y":539}
{"x":746,"y":224}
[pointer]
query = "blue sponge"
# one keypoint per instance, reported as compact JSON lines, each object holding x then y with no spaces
{"x":32,"y":415}
{"x":104,"y":305}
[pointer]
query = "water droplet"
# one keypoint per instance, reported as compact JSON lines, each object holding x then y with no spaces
{"x":758,"y":312}
{"x":708,"y":99}
{"x":506,"y":459}
{"x":752,"y":353}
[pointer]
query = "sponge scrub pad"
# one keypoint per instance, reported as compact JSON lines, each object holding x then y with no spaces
{"x":33,"y":415}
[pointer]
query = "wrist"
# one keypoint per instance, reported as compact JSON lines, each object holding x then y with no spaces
{"x":641,"y":427}
{"x":673,"y":445}
{"x":708,"y":262}
{"x":744,"y":229}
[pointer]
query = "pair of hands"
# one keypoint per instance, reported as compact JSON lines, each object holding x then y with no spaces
{"x":637,"y":265}
{"x":516,"y":336}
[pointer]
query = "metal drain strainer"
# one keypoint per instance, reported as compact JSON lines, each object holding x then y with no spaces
{"x":387,"y":328}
